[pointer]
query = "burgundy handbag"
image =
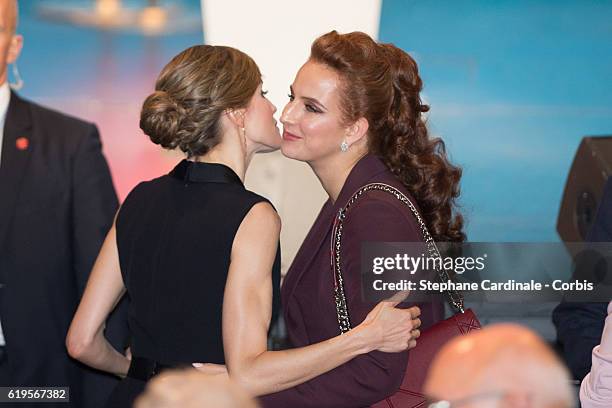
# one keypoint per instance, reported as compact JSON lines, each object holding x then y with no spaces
{"x":409,"y":394}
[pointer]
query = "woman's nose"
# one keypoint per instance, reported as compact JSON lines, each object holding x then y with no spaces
{"x":287,"y":115}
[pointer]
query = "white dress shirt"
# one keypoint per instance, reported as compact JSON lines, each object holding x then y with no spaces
{"x":5,"y":97}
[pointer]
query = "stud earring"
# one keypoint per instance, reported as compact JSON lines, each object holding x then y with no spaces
{"x":344,"y":146}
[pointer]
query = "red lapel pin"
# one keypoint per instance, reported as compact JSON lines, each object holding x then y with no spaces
{"x":22,"y":143}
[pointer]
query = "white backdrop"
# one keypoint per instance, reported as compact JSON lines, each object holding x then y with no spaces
{"x":278,"y":35}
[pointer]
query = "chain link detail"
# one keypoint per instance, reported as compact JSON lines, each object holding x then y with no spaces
{"x":455,"y":298}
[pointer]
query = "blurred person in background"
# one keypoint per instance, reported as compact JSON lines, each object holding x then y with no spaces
{"x":596,"y":388}
{"x":57,"y":201}
{"x":193,"y":389}
{"x":580,"y":324}
{"x":500,"y":366}
{"x":197,"y":252}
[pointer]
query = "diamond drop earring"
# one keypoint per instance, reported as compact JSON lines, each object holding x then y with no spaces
{"x":344,"y":146}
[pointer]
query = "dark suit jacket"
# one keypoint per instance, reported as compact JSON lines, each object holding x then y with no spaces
{"x":57,"y":202}
{"x":580,"y":325}
{"x":308,"y":302}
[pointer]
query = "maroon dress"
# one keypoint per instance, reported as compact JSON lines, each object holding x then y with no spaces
{"x":308,"y":302}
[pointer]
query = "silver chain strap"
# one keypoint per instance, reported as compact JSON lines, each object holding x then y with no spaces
{"x":455,"y":298}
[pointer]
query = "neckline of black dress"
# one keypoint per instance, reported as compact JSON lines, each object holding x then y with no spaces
{"x":201,"y":172}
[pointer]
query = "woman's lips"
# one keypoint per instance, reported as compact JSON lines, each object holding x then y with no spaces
{"x":290,"y":136}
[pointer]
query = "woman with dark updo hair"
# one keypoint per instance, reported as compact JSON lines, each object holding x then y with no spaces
{"x":197,"y":253}
{"x":356,"y":117}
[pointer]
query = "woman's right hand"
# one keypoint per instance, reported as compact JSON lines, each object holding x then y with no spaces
{"x":391,"y":329}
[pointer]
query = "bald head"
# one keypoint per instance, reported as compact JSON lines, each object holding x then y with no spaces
{"x":9,"y":15}
{"x":508,"y":363}
{"x":190,"y":388}
{"x":10,"y":42}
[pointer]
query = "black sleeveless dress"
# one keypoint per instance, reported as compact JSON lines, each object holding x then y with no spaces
{"x":174,"y":236}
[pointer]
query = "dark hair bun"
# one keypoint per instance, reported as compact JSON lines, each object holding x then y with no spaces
{"x":161,"y":119}
{"x":192,"y":92}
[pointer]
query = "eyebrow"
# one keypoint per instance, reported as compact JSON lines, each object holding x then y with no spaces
{"x":308,"y":98}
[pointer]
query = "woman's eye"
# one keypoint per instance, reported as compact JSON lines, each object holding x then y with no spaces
{"x":291,"y":97}
{"x":311,"y":108}
{"x":264,"y":93}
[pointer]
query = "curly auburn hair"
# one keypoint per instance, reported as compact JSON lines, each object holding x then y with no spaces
{"x":381,"y":83}
{"x":192,"y":92}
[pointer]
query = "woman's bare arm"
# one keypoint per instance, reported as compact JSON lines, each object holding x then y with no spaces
{"x":247,"y":311}
{"x":85,"y":340}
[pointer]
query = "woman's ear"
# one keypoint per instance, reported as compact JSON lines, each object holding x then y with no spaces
{"x":236,"y":116}
{"x":357,"y":131}
{"x":14,"y":48}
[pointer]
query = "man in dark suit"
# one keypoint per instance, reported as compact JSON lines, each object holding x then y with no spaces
{"x":57,"y":202}
{"x":579,"y":325}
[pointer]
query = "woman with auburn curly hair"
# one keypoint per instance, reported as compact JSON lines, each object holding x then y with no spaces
{"x":197,"y":253}
{"x":355,"y":116}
